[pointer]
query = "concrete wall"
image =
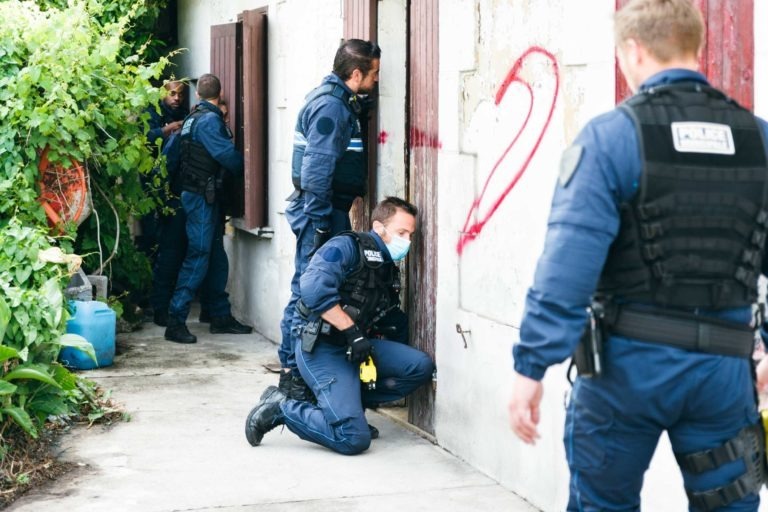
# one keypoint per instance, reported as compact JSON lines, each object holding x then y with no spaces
{"x":483,"y":279}
{"x":565,"y":77}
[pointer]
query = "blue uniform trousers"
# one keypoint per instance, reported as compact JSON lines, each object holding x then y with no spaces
{"x":614,"y":422}
{"x":205,"y":264}
{"x":303,"y":228}
{"x":171,"y":250}
{"x":338,"y":420}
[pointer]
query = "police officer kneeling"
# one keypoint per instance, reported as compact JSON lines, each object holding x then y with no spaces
{"x":350,"y":284}
{"x":661,"y":214}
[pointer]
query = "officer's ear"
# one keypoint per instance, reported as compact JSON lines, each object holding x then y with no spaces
{"x":378,"y":228}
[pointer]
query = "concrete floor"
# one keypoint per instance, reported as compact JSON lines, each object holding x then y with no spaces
{"x":184,"y":448}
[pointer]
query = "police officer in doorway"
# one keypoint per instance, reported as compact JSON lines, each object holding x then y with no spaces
{"x":658,"y":226}
{"x":328,"y":171}
{"x":351,"y":283}
{"x":207,"y":151}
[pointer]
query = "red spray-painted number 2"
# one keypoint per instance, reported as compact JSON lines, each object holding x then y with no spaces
{"x":476,"y":219}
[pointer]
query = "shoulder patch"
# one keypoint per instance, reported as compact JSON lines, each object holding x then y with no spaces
{"x":330,"y":254}
{"x":569,"y":162}
{"x":325,"y":125}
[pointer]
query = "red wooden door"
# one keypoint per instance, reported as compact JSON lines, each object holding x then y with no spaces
{"x":361,"y":22}
{"x":728,"y":55}
{"x":421,"y":179}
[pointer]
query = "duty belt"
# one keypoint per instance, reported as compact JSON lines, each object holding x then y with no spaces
{"x":696,"y":334}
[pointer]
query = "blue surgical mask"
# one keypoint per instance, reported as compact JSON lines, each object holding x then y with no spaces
{"x":398,"y":247}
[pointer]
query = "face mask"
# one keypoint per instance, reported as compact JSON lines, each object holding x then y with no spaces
{"x":398,"y":248}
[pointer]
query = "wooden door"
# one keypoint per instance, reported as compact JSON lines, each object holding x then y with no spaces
{"x":421,"y":179}
{"x":728,"y":55}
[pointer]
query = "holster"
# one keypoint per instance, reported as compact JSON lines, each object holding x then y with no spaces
{"x":588,"y":356}
{"x":748,"y":445}
{"x":309,"y":335}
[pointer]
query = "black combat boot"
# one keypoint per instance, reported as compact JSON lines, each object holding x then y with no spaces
{"x":300,"y":390}
{"x":228,"y":325}
{"x":205,"y":317}
{"x":161,"y":317}
{"x":265,"y":416}
{"x":177,"y":332}
{"x":285,"y":382}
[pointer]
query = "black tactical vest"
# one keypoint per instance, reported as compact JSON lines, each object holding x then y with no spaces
{"x":197,"y":165}
{"x":373,"y":289}
{"x":694,"y":234}
{"x":350,"y":176}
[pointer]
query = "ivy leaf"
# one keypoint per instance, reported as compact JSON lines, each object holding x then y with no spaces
{"x":5,"y":317}
{"x":22,"y":274}
{"x":51,"y":290}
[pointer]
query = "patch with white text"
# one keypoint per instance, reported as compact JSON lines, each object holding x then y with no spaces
{"x":374,"y":256}
{"x":697,"y":137}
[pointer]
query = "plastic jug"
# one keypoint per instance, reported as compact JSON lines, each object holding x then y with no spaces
{"x":94,"y":321}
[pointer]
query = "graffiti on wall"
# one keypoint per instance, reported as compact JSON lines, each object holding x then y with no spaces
{"x":503,"y":178}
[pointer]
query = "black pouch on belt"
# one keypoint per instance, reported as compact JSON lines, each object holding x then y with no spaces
{"x":588,"y":356}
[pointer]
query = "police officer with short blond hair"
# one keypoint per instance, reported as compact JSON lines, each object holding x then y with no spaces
{"x":656,"y":239}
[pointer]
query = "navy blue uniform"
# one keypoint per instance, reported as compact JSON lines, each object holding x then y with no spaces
{"x":338,"y":420}
{"x":614,"y":422}
{"x":151,"y":223}
{"x":205,"y":263}
{"x":327,"y":130}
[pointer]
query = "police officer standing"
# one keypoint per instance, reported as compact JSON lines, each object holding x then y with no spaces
{"x":350,"y":283}
{"x":207,"y":151}
{"x":660,"y":217}
{"x":164,"y":120}
{"x":171,"y":237}
{"x":328,"y":171}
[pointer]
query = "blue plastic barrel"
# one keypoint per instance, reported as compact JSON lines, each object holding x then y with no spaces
{"x":94,"y":321}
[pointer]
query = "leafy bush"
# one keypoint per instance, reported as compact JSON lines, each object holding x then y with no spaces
{"x":69,"y":82}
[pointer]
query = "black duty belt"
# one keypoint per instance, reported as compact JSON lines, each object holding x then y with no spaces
{"x":709,"y":336}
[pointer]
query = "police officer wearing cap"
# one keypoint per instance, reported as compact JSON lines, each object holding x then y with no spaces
{"x":207,"y":151}
{"x":349,"y":285}
{"x":329,"y":171}
{"x":659,"y":218}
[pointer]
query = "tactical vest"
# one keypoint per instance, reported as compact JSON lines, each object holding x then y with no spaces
{"x":350,"y":175}
{"x":197,"y":165}
{"x":694,"y":234}
{"x":373,"y":289}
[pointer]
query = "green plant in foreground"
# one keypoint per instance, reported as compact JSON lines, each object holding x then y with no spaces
{"x":33,"y":319}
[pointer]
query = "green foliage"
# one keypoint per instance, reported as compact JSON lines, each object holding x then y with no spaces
{"x":32,"y":321}
{"x":75,"y":77}
{"x":70,"y":81}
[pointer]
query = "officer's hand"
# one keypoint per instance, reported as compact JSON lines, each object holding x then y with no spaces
{"x":524,"y":408}
{"x":358,"y":346}
{"x":321,"y":236}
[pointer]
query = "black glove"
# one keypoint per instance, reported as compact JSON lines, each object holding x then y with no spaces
{"x":358,"y":346}
{"x":321,"y":236}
